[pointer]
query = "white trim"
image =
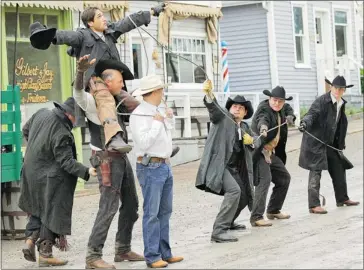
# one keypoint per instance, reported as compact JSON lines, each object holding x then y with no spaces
{"x":327,"y":38}
{"x":349,"y":33}
{"x":239,"y":3}
{"x":149,"y":46}
{"x":269,"y":5}
{"x":208,"y":60}
{"x":306,"y":36}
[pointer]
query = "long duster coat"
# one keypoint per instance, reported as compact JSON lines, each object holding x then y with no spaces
{"x":50,"y":170}
{"x":321,"y":122}
{"x":218,"y":151}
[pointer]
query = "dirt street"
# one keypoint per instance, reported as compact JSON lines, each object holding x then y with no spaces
{"x":334,"y":240}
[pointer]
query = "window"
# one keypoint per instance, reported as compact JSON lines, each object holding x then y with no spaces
{"x":300,"y":33}
{"x":137,"y":61}
{"x":318,"y":30}
{"x":341,"y":33}
{"x":37,"y":72}
{"x":180,"y":70}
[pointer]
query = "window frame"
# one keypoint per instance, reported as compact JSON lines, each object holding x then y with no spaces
{"x":349,"y":34}
{"x":208,"y":59}
{"x":63,"y":22}
{"x":305,"y":36}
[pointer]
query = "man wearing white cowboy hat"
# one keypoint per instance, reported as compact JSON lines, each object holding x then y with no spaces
{"x":326,"y":120}
{"x":267,"y":166}
{"x":153,"y":148}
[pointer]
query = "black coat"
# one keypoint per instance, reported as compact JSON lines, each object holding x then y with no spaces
{"x":218,"y":151}
{"x":280,"y":150}
{"x":320,"y":121}
{"x":84,"y":41}
{"x":50,"y":170}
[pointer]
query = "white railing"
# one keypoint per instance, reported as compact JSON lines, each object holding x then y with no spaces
{"x":254,"y":97}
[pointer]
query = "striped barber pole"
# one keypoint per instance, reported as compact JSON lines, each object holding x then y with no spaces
{"x":225,"y":70}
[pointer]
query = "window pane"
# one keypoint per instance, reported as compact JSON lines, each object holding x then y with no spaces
{"x":298,"y":20}
{"x":24,"y":20}
{"x":10,"y":19}
{"x":193,"y":48}
{"x":203,"y":45}
{"x":37,"y":72}
{"x":52,"y":21}
{"x":38,"y":18}
{"x":318,"y":31}
{"x":198,"y":73}
{"x":340,"y":17}
{"x":186,"y":69}
{"x":180,"y":44}
{"x":340,"y":32}
{"x":299,"y":50}
{"x":174,"y":44}
{"x":172,"y":67}
{"x":137,"y":61}
{"x":198,"y":46}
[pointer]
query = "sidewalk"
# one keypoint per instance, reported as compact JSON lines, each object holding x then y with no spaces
{"x":186,"y":171}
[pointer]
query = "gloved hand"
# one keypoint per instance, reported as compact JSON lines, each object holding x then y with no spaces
{"x":92,"y":171}
{"x":263,"y":130}
{"x":207,"y":88}
{"x":83,"y":64}
{"x":158,"y":9}
{"x":290,"y":120}
{"x":302,"y":127}
{"x":247,"y":139}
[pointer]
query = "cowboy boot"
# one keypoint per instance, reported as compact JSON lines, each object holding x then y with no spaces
{"x":317,"y":210}
{"x":117,"y":144}
{"x":279,"y":215}
{"x":99,"y":264}
{"x":46,"y":258}
{"x":130,"y":256}
{"x":347,"y":203}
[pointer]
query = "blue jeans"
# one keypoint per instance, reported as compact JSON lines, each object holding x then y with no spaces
{"x":156,"y":181}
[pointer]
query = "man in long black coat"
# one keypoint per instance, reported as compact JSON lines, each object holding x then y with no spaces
{"x":226,"y":166}
{"x":327,"y":121}
{"x":49,"y":177}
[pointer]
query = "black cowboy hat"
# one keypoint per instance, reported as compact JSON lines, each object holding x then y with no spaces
{"x":102,"y":65}
{"x":277,"y":92}
{"x":68,"y":106}
{"x":242,"y":101}
{"x":339,"y":82}
{"x":41,"y":37}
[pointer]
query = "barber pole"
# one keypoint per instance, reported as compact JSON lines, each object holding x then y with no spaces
{"x":225,"y":70}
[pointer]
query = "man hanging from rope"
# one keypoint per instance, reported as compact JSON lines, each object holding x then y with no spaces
{"x":97,"y":40}
{"x":268,"y":167}
{"x":326,"y":120}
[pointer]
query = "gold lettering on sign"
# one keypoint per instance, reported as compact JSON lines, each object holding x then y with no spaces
{"x":34,"y":78}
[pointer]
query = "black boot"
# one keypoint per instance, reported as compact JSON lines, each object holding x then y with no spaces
{"x":29,"y":248}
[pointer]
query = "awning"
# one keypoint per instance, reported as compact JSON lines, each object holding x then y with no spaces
{"x":176,"y":11}
{"x":64,"y":5}
{"x":107,"y":5}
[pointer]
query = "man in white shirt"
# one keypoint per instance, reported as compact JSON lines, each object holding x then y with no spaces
{"x":327,"y":121}
{"x":151,"y":127}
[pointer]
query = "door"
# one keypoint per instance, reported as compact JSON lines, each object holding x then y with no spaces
{"x":324,"y":54}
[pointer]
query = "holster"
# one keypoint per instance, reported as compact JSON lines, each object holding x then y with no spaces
{"x":102,"y":160}
{"x":105,"y":168}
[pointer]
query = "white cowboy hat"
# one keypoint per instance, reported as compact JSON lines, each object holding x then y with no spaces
{"x":149,"y":84}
